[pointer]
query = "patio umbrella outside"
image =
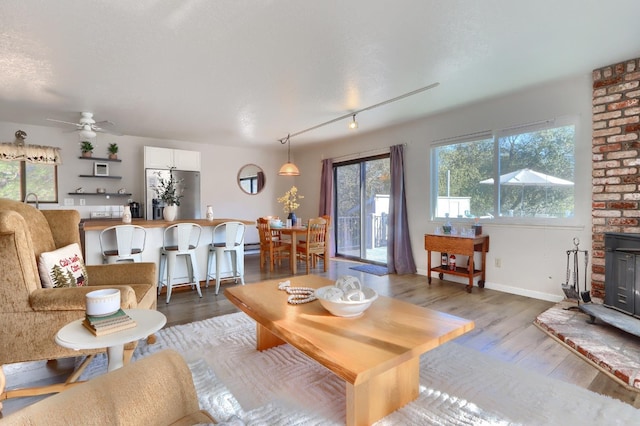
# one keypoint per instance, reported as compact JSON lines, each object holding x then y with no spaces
{"x":528,"y":177}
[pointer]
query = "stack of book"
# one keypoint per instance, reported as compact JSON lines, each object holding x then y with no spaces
{"x":102,"y":325}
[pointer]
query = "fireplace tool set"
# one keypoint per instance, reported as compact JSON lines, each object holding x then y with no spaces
{"x":571,"y":287}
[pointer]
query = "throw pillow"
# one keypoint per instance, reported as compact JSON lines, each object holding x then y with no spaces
{"x":63,"y":267}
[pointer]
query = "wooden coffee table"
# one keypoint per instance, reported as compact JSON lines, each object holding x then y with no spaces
{"x":377,"y":354}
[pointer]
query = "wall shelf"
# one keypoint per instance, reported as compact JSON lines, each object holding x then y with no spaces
{"x":115,"y":194}
{"x":103,"y":177}
{"x":100,"y":159}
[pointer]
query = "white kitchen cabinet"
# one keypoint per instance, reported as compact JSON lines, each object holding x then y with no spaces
{"x":164,"y":158}
{"x":186,"y":160}
{"x":157,"y":158}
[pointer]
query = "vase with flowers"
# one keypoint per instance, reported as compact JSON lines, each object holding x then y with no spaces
{"x":290,"y":203}
{"x":167,"y":190}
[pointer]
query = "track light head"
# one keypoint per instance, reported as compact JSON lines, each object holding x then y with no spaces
{"x":353,"y":124}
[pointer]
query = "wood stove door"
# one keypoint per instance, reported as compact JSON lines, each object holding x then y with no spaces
{"x":621,"y":281}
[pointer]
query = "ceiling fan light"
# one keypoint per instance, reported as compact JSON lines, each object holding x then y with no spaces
{"x":87,"y":133}
{"x":289,"y":169}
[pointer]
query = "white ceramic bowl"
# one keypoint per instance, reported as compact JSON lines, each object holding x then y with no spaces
{"x":276,"y":223}
{"x":103,"y":302}
{"x":346,"y":308}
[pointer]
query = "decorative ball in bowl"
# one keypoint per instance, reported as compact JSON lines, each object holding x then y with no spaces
{"x":103,"y":302}
{"x":350,"y":304}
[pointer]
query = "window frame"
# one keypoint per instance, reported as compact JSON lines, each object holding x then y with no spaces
{"x":496,"y":136}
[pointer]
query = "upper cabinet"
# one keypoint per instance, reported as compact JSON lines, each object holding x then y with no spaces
{"x":164,"y":158}
{"x":186,"y":160}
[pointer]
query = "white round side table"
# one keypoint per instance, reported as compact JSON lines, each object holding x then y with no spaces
{"x":75,"y":336}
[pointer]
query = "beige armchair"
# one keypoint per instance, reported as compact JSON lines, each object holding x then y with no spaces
{"x":155,"y":390}
{"x":31,"y":315}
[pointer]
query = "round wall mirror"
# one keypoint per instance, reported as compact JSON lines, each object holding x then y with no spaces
{"x":251,"y":179}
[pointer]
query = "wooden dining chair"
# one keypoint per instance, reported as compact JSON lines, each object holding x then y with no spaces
{"x":271,"y":246}
{"x":315,"y":243}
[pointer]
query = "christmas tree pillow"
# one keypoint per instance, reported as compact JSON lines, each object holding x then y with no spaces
{"x":63,"y":268}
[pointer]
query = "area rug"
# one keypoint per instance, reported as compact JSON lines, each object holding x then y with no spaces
{"x":371,"y":269}
{"x":281,"y":386}
{"x":609,"y":349}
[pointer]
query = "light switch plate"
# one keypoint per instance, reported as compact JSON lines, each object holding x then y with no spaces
{"x":68,"y":201}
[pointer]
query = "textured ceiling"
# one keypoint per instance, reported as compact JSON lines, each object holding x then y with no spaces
{"x":247,"y":72}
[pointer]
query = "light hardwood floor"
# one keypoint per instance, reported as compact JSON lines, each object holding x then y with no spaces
{"x":504,"y":324}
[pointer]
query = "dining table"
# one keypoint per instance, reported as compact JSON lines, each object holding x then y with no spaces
{"x":293,"y":231}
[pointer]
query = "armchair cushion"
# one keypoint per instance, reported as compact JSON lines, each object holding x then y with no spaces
{"x":63,"y":267}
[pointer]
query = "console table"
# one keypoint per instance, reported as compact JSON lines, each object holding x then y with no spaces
{"x":466,"y":246}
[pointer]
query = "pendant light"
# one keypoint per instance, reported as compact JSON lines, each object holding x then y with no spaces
{"x":288,"y":168}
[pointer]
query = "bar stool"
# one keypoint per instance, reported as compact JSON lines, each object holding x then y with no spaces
{"x":233,"y":235}
{"x":180,"y":239}
{"x":128,"y":240}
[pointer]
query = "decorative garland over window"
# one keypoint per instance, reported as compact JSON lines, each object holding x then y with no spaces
{"x":18,"y":151}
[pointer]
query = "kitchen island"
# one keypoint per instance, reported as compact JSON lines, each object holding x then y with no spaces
{"x":91,"y":229}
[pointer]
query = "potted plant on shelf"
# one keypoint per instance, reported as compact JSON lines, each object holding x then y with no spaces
{"x":167,"y":191}
{"x":290,"y":201}
{"x":113,"y":151}
{"x":87,"y":148}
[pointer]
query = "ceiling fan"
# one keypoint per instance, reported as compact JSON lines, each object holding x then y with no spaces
{"x":88,"y":127}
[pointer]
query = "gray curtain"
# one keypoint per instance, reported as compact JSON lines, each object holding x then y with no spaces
{"x":326,"y":199}
{"x":399,"y":253}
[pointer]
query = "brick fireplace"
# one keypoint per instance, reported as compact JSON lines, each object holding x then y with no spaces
{"x":615,"y":159}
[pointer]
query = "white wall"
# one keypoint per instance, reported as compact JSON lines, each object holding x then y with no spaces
{"x":533,"y":258}
{"x":220,"y":166}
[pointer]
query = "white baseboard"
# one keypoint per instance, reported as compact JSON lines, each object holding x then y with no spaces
{"x":501,"y":287}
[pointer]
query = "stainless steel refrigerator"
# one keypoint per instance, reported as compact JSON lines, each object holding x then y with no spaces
{"x":188,"y":187}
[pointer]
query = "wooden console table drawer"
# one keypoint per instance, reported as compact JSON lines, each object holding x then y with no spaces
{"x":465,"y":246}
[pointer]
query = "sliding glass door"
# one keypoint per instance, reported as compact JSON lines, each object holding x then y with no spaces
{"x":362,"y":207}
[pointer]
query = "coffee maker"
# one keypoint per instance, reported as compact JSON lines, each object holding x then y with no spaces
{"x":135,"y":210}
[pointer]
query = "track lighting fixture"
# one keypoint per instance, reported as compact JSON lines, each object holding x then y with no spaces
{"x":354,"y":124}
{"x":288,"y":168}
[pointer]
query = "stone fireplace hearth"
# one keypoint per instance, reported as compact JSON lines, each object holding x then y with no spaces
{"x":609,"y":349}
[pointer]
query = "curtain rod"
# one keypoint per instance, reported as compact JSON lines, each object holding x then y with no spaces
{"x":361,"y":153}
{"x":342,"y":117}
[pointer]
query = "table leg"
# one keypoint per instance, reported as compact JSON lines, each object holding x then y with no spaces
{"x":471,"y":272}
{"x":265,"y":339}
{"x":115,"y":355}
{"x":429,"y":266}
{"x":383,"y":394}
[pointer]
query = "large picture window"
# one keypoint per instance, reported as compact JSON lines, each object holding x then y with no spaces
{"x":526,"y":172}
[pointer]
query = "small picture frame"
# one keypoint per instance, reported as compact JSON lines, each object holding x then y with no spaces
{"x":100,"y":169}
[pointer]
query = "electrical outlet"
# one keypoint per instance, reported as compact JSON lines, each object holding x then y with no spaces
{"x":82,"y":201}
{"x":498,"y":262}
{"x":68,"y":201}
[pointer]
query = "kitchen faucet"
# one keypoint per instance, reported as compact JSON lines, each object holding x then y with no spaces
{"x":26,"y":198}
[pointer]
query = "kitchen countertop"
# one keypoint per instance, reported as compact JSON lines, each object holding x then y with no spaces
{"x":101,"y":224}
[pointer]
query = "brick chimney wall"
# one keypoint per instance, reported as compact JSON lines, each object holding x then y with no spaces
{"x":616,"y":159}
